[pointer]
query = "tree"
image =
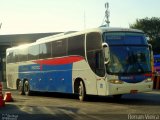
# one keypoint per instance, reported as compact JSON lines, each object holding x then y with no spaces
{"x":151,"y":26}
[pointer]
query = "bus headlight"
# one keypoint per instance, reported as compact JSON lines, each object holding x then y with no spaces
{"x":148,"y":80}
{"x":116,"y":81}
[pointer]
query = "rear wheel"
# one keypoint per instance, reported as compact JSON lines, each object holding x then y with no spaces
{"x":27,"y":88}
{"x":17,"y":84}
{"x":81,"y":91}
{"x":20,"y":88}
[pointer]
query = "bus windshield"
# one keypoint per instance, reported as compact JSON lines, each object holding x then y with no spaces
{"x":125,"y":38}
{"x":130,"y":55}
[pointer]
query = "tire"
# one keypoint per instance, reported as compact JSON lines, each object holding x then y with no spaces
{"x":20,"y":88}
{"x":27,"y":88}
{"x":82,"y":92}
{"x":17,"y":84}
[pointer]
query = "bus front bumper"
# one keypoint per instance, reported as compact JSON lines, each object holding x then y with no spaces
{"x":126,"y":88}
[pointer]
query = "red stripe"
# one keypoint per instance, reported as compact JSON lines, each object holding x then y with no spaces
{"x":148,"y":74}
{"x":60,"y":61}
{"x":157,"y":67}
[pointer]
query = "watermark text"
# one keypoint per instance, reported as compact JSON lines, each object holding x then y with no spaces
{"x":143,"y":117}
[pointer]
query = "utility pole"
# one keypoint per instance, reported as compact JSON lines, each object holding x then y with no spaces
{"x":107,"y":14}
{"x":84,"y":22}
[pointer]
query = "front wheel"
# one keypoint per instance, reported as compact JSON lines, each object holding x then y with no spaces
{"x":82,"y":92}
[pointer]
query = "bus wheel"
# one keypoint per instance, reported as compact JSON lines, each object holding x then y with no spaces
{"x":20,"y":88}
{"x":17,"y":84}
{"x":26,"y":88}
{"x":82,"y":92}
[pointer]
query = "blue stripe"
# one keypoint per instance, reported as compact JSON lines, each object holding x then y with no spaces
{"x":57,"y":78}
{"x":133,"y":78}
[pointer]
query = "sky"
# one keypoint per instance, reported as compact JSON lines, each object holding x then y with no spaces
{"x":42,"y":16}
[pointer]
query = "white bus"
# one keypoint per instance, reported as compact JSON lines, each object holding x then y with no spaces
{"x":100,"y":61}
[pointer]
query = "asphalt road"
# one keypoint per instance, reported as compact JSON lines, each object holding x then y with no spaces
{"x":50,"y":106}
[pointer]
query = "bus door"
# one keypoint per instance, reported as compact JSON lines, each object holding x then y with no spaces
{"x":100,"y":73}
{"x":95,"y":59}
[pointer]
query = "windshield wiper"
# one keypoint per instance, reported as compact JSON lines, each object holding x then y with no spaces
{"x":139,"y":65}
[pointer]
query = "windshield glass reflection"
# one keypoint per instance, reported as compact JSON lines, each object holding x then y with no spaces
{"x":128,"y":59}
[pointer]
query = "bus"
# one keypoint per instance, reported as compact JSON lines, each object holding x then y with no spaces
{"x":157,"y":64}
{"x":100,"y":61}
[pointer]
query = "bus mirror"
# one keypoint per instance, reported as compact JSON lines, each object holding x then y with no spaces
{"x":151,"y":57}
{"x":150,"y":47}
{"x":106,"y":52}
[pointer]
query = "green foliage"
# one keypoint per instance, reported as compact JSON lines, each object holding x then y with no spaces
{"x":151,"y":26}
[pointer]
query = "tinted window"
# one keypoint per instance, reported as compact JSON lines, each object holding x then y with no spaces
{"x":15,"y":56}
{"x":96,"y":62}
{"x":45,"y":50}
{"x":95,"y":53}
{"x":12,"y":56}
{"x":76,"y":45}
{"x":33,"y":52}
{"x":9,"y":56}
{"x":93,"y":41}
{"x":59,"y":48}
{"x":23,"y":54}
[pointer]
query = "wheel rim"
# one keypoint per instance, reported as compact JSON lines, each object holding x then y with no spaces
{"x":26,"y":87}
{"x":19,"y":86}
{"x":81,"y":91}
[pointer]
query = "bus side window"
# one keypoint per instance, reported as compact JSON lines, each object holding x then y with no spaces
{"x":33,"y":52}
{"x":76,"y":45}
{"x":23,"y":54}
{"x":9,"y":56}
{"x":95,"y":53}
{"x":16,"y":56}
{"x":45,"y":50}
{"x":59,"y":48}
{"x":99,"y":63}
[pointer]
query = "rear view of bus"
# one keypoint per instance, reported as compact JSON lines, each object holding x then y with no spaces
{"x":129,"y":67}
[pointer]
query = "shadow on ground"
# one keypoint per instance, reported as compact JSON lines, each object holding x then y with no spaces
{"x":128,"y":99}
{"x":12,"y":112}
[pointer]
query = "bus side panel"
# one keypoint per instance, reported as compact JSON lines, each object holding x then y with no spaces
{"x":48,"y":78}
{"x":59,"y":78}
{"x":82,"y":70}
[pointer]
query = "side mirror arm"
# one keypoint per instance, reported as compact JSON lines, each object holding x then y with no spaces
{"x":106,"y":52}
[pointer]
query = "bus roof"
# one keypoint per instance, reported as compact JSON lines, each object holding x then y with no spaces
{"x":74,"y":33}
{"x":121,"y":29}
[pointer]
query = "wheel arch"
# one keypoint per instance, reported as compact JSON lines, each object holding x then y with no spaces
{"x":17,"y":83}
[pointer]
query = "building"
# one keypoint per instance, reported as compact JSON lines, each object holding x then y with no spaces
{"x":7,"y":41}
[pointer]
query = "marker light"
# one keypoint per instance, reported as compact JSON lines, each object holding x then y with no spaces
{"x":148,"y":80}
{"x":116,"y":81}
